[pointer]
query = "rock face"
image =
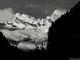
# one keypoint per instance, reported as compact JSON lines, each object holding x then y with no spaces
{"x":23,"y":20}
{"x":28,"y":31}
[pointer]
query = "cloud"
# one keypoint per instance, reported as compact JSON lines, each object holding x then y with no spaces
{"x":32,"y":5}
{"x":6,"y":14}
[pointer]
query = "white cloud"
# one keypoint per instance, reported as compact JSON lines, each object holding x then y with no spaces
{"x":6,"y":14}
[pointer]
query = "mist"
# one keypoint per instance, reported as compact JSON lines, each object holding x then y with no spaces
{"x":6,"y":14}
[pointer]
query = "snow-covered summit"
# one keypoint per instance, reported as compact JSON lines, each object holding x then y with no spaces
{"x":22,"y":17}
{"x":22,"y":20}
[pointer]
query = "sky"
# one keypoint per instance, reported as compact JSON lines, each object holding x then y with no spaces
{"x":35,"y":8}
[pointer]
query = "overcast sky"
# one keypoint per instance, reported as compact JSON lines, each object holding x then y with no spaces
{"x":36,"y":8}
